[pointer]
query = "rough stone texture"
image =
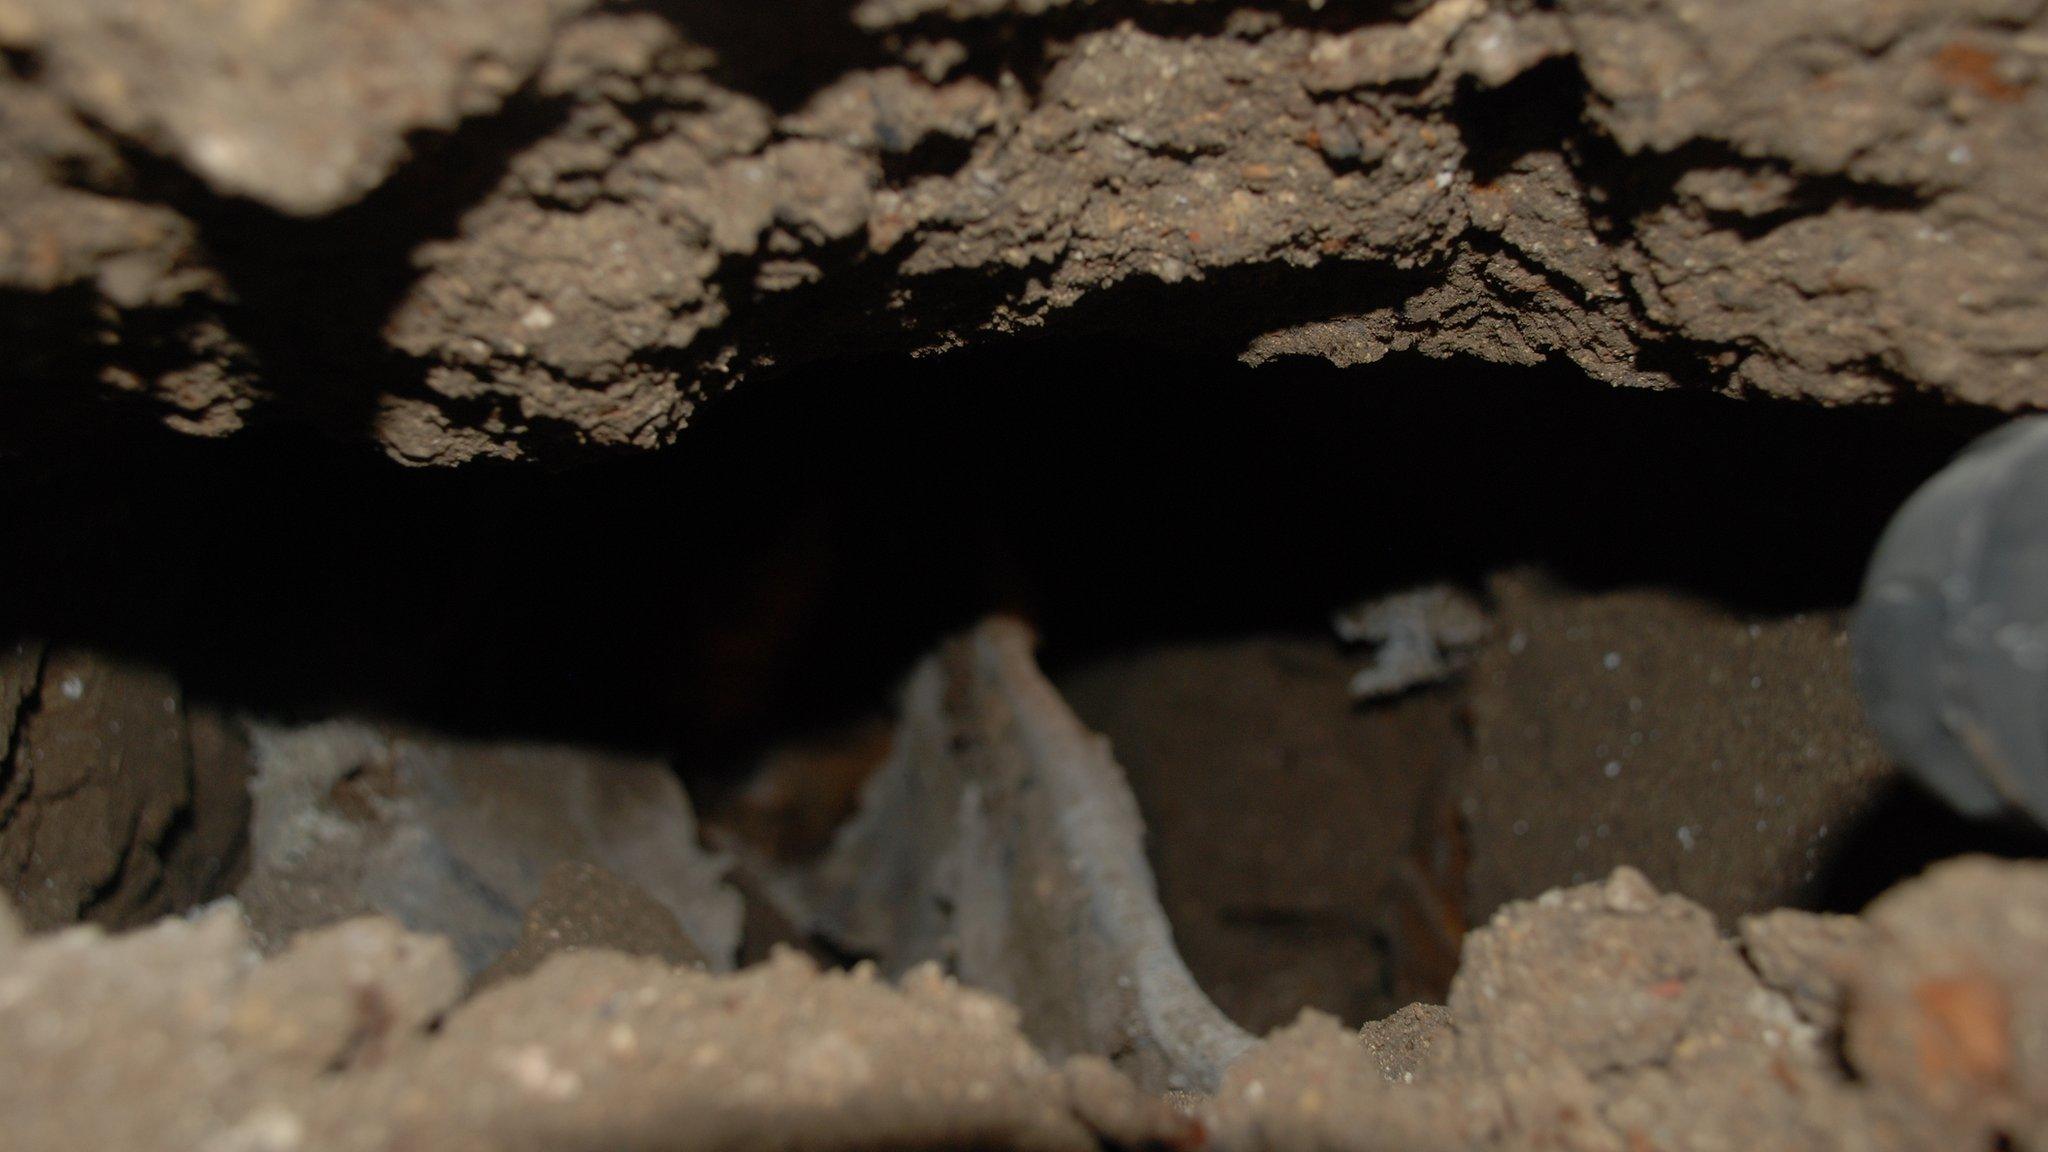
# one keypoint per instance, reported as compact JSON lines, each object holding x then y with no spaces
{"x":1946,"y":1004}
{"x":1806,"y":956}
{"x":459,"y":838}
{"x":1605,"y":1017}
{"x":1724,"y":755}
{"x":102,"y":289}
{"x":98,"y":768}
{"x":205,"y":1046}
{"x":1401,"y":1043}
{"x":1837,"y":202}
{"x":301,"y":104}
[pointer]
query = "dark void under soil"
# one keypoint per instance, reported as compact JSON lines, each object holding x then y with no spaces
{"x":1178,"y":532}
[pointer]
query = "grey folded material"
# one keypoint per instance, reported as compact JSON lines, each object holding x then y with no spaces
{"x":1002,"y":840}
{"x":457,"y":837}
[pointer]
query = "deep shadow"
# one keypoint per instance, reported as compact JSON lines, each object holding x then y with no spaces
{"x":1907,"y":831}
{"x":782,"y":565}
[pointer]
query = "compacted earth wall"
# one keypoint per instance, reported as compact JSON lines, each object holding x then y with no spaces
{"x":716,"y":574}
{"x":507,"y":230}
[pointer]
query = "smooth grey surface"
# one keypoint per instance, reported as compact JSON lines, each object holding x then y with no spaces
{"x":1951,"y":634}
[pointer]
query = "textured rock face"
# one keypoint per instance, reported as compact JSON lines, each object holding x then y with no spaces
{"x":1836,"y":202}
{"x":328,"y":1046}
{"x":303,"y":106}
{"x":117,"y":802}
{"x":338,"y":1000}
{"x":1607,"y":1016}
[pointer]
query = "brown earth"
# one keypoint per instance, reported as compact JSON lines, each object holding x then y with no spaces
{"x":1722,"y":754}
{"x":1600,"y":1016}
{"x":457,"y":231}
{"x":1278,"y":815}
{"x":471,"y":232}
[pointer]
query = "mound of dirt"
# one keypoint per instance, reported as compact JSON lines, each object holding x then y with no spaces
{"x":1606,"y":1016}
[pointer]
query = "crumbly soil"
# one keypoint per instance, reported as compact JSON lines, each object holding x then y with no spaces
{"x":485,"y":231}
{"x":1599,"y":1016}
{"x":291,"y":855}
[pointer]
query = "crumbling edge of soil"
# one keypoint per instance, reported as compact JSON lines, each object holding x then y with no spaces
{"x":1601,"y":1016}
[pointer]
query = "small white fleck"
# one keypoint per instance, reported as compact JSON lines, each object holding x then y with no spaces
{"x":1611,"y":661}
{"x":622,"y":1039}
{"x":1685,"y":837}
{"x":1518,"y":642}
{"x":532,"y":1069}
{"x":72,"y":687}
{"x":270,"y":1128}
{"x":1613,"y":769}
{"x":1756,"y":681}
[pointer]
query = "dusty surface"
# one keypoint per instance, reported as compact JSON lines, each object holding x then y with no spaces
{"x":1610,"y":1016}
{"x":463,"y":839}
{"x":1835,"y":202}
{"x":303,"y":106}
{"x":1723,"y":754}
{"x":117,"y":803}
{"x":581,"y":907}
{"x":1607,"y":1016}
{"x":325,"y":1046}
{"x":1277,"y":814}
